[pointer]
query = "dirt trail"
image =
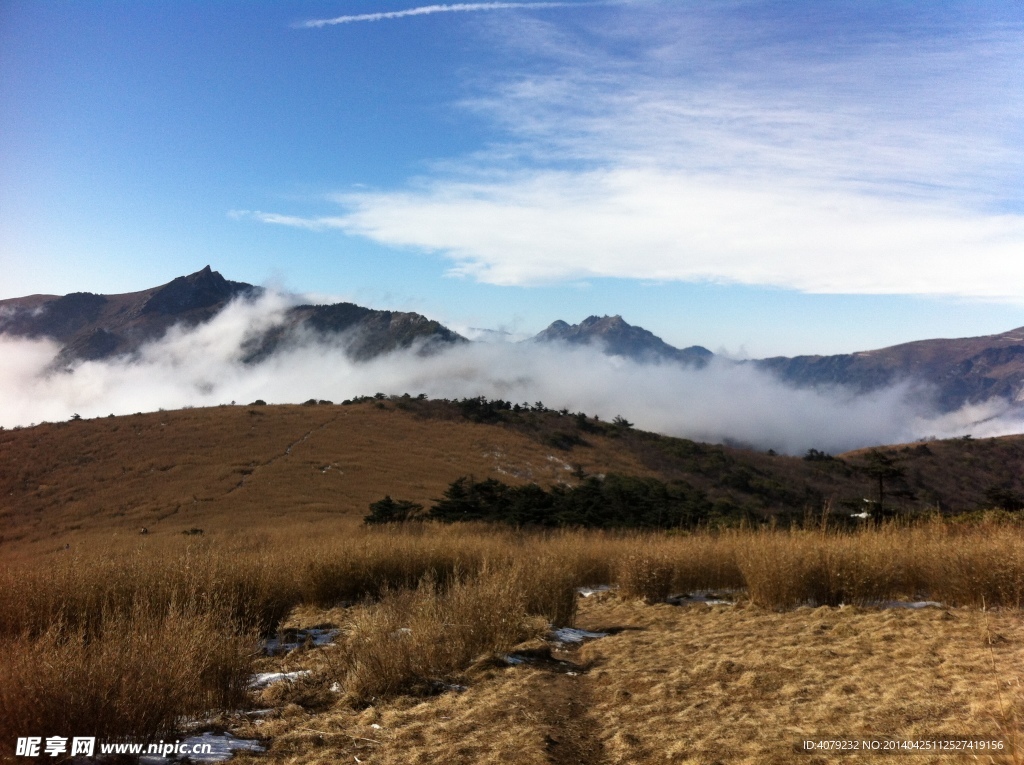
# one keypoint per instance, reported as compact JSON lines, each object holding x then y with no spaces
{"x":282,"y":455}
{"x":571,"y":738}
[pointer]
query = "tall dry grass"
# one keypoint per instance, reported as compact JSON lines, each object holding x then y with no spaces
{"x":133,"y":678}
{"x":418,"y":640}
{"x":957,"y":565}
{"x":85,"y":634}
{"x":261,"y":578}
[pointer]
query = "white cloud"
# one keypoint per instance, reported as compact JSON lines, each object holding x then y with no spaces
{"x":203,"y":366}
{"x":424,"y":10}
{"x":648,"y":223}
{"x":311,"y":224}
{"x":700,"y":143}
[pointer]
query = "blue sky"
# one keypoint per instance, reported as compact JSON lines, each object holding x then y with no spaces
{"x":760,"y":178}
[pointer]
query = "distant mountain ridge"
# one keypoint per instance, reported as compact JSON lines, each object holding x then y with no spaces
{"x":362,"y":332}
{"x":91,"y":327}
{"x":621,"y":339}
{"x":961,"y":370}
{"x":954,"y":372}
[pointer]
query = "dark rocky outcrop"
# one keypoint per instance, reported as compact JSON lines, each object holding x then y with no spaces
{"x":203,"y":289}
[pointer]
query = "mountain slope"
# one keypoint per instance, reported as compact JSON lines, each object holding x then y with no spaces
{"x":963,"y":370}
{"x":92,"y":326}
{"x":362,"y":332}
{"x":233,"y":467}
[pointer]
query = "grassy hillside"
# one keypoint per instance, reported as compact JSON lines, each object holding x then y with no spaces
{"x":231,"y":467}
{"x":224,"y":468}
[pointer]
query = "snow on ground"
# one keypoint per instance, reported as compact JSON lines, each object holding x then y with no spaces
{"x":289,"y":640}
{"x":593,"y":589}
{"x":912,"y":604}
{"x":573,"y":635}
{"x":729,"y":597}
{"x":263,"y":679}
{"x":707,"y":597}
{"x":222,"y":747}
{"x":908,"y":604}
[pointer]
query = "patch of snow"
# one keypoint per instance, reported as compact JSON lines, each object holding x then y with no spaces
{"x":263,"y":679}
{"x":573,"y":635}
{"x":593,"y":589}
{"x":514,"y":659}
{"x":222,"y":746}
{"x":293,"y":639}
{"x":915,"y":605}
{"x":707,"y":597}
{"x":860,"y":515}
{"x":911,"y":604}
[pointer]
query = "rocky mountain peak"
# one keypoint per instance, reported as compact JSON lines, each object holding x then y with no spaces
{"x":202,"y":289}
{"x":620,"y":338}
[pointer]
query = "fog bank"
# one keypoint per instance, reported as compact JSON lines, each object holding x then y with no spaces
{"x":725,"y":402}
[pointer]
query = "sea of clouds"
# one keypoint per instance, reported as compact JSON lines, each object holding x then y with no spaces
{"x":724,"y":402}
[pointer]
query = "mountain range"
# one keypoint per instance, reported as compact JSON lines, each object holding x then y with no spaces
{"x":953,"y":372}
{"x":91,"y":327}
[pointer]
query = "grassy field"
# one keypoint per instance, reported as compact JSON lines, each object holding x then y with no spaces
{"x":136,"y":638}
{"x":105,"y":631}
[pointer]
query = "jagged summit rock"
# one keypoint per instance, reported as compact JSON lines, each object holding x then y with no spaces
{"x":203,"y":289}
{"x":619,"y":338}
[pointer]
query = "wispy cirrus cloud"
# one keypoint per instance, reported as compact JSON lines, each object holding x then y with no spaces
{"x":294,"y":221}
{"x":424,"y":10}
{"x":735,"y":143}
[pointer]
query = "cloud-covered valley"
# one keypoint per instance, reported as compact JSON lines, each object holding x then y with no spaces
{"x":723,"y":402}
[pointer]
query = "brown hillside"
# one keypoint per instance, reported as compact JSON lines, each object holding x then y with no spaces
{"x":232,"y":467}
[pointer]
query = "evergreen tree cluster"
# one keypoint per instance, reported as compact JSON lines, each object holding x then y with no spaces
{"x":615,"y":501}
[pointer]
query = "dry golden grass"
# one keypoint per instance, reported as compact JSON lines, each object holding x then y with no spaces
{"x":959,"y":565}
{"x":692,"y":684}
{"x":131,"y":679}
{"x":417,"y":641}
{"x":673,"y":684}
{"x":229,"y":468}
